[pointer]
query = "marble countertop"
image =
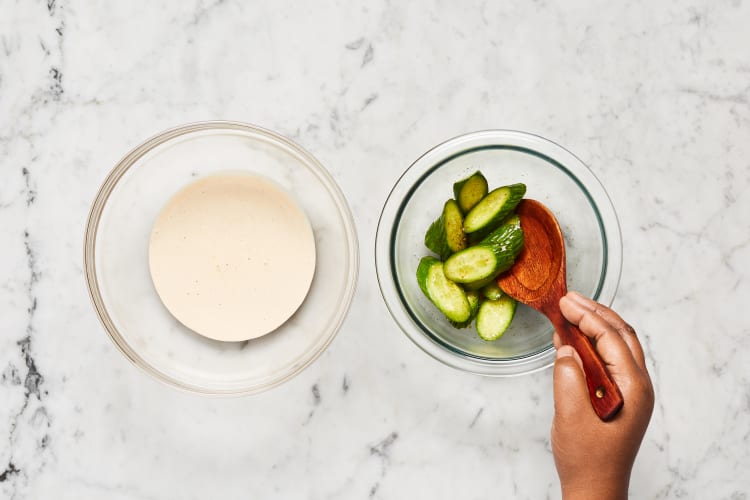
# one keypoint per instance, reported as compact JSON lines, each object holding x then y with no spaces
{"x":654,"y":96}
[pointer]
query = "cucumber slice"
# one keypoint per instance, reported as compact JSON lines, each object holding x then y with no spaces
{"x":493,"y":208}
{"x":491,"y":291}
{"x":470,"y":190}
{"x":446,"y":235}
{"x":447,"y":296}
{"x":509,"y":235}
{"x":494,"y":317}
{"x":473,"y":264}
{"x":473,"y":297}
{"x":493,"y":255}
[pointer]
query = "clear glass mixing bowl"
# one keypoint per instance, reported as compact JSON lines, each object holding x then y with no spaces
{"x":116,"y":258}
{"x":553,"y":176}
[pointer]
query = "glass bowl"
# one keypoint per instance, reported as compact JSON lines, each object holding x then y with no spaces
{"x":116,"y":258}
{"x":553,"y":176}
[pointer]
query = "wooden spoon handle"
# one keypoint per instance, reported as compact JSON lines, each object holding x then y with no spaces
{"x":605,"y":396}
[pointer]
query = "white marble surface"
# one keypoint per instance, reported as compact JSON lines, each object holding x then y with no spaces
{"x":654,"y":96}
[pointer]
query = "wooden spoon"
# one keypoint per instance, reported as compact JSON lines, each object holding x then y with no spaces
{"x":537,"y":279}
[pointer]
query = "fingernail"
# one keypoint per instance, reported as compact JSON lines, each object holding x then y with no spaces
{"x":575,"y":295}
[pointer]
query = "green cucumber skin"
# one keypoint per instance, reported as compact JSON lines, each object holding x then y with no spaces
{"x":483,"y":220}
{"x":435,"y":239}
{"x":469,"y":191}
{"x":446,"y":235}
{"x":509,"y":237}
{"x":494,"y":317}
{"x":505,"y":243}
{"x":461,"y":310}
{"x":423,"y":270}
{"x":474,"y":300}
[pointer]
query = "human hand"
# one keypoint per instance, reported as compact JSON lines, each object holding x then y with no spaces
{"x":594,"y":458}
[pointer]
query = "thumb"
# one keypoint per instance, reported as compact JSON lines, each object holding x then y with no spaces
{"x":569,"y":381}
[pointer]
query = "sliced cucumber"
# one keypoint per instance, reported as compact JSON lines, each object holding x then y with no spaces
{"x":447,"y":296}
{"x":470,"y":190}
{"x":493,"y":208}
{"x":473,"y":297}
{"x":493,"y":255}
{"x":494,"y":317}
{"x":446,"y":235}
{"x":509,"y":236}
{"x":491,"y":291}
{"x":476,"y":263}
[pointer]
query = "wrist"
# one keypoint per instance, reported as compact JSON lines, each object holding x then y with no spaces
{"x":596,"y":489}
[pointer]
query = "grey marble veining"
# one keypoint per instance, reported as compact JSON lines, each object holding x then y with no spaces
{"x":653,"y":96}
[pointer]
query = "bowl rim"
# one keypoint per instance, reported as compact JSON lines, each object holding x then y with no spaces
{"x":100,"y":202}
{"x":432,"y":160}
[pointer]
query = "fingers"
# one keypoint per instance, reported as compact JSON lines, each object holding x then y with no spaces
{"x":608,"y":343}
{"x":570,"y":391}
{"x":626,"y":331}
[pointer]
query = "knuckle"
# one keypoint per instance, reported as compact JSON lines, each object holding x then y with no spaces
{"x":594,"y":324}
{"x":627,"y":329}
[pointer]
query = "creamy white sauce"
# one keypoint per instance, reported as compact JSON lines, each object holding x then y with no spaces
{"x":232,"y":256}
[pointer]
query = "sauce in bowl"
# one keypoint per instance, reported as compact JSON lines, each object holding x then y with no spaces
{"x":232,"y":256}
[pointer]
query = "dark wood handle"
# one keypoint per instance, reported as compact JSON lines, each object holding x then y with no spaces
{"x":605,"y":396}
